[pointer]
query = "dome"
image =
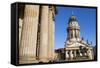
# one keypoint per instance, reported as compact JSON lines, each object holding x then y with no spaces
{"x":73,"y":22}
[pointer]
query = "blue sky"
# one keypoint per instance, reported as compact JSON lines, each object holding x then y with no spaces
{"x":86,"y":18}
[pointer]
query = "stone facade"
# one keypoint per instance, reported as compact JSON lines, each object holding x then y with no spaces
{"x":36,"y":33}
{"x":75,"y":47}
{"x":36,"y":37}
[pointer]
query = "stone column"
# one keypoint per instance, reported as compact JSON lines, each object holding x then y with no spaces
{"x":53,"y":39}
{"x":80,"y":53}
{"x":20,"y":28}
{"x":44,"y":35}
{"x":78,"y":34}
{"x":90,"y":54}
{"x":27,"y":47}
{"x":51,"y":34}
{"x":74,"y":53}
{"x":67,"y":55}
{"x":71,"y":54}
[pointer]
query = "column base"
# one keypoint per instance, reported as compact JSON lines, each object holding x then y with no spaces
{"x":44,"y":60}
{"x":29,"y":59}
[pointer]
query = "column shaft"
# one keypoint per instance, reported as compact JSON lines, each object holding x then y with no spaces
{"x":50,"y":35}
{"x":90,"y":54}
{"x":44,"y":35}
{"x":27,"y":47}
{"x":20,"y":28}
{"x":71,"y":54}
{"x":67,"y":55}
{"x":74,"y":53}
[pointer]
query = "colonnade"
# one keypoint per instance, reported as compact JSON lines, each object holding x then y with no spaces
{"x":75,"y":53}
{"x":35,"y":15}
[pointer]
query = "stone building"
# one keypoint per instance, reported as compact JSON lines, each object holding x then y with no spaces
{"x":36,"y":33}
{"x":59,"y":54}
{"x":36,"y":37}
{"x":76,"y":48}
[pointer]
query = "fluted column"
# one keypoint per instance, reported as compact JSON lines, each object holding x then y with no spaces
{"x":20,"y":28}
{"x":44,"y":35}
{"x":27,"y":47}
{"x":51,"y":35}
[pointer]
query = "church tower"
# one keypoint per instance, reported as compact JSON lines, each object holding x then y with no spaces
{"x":74,"y":45}
{"x":73,"y":29}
